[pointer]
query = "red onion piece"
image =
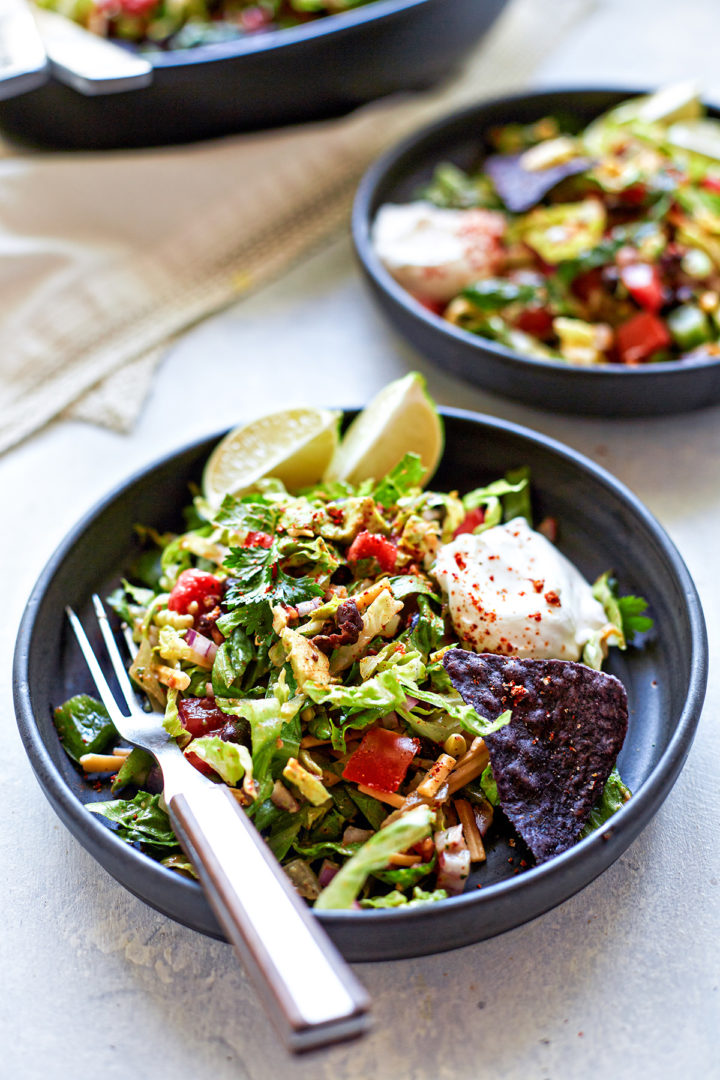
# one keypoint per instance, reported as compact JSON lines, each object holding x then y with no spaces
{"x":356,"y":836}
{"x":203,"y":647}
{"x":328,"y":871}
{"x":453,"y":860}
{"x":306,"y":606}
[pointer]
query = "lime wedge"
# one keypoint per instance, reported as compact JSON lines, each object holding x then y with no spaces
{"x":295,"y":445}
{"x":402,"y":419}
{"x":678,"y":101}
{"x":697,"y":136}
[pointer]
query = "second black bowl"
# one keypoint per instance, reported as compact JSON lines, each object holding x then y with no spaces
{"x":606,"y":390}
{"x":324,"y":68}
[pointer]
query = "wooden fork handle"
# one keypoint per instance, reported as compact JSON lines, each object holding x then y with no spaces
{"x":308,"y":989}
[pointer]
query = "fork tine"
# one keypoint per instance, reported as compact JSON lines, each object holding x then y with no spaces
{"x":99,"y":679}
{"x":114,"y":654}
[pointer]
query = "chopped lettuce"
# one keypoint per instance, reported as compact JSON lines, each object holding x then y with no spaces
{"x":400,"y":481}
{"x":487,"y":782}
{"x":383,"y":691}
{"x":373,"y":855}
{"x":267,"y":717}
{"x":134,"y":770}
{"x":563,"y":231}
{"x":141,"y":820}
{"x":456,"y":708}
{"x":404,"y":877}
{"x":615,"y":793}
{"x":84,"y":726}
{"x":231,"y":661}
{"x":231,"y":761}
{"x":397,"y":899}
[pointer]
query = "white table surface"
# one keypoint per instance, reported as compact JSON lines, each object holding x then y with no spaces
{"x":621,"y":981}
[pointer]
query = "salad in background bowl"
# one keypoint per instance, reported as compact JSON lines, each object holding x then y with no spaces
{"x":572,"y":230}
{"x":182,"y":24}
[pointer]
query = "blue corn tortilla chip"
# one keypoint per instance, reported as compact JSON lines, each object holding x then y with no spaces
{"x":551,"y":761}
{"x":521,"y":189}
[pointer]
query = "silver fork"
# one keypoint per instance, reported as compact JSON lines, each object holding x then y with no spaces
{"x":307,"y":988}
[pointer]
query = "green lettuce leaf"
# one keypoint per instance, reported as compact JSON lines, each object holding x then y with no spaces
{"x":180,"y":864}
{"x":134,"y":770}
{"x":412,"y":585}
{"x":615,"y":793}
{"x":266,"y":717}
{"x":428,"y":629}
{"x":370,"y":808}
{"x":84,"y":726}
{"x":229,"y":760}
{"x":231,"y":662}
{"x":325,"y":850}
{"x":139,"y":821}
{"x":373,"y":855}
{"x":624,"y":612}
{"x":129,"y":601}
{"x":487,"y":783}
{"x":383,"y":691}
{"x":455,"y":707}
{"x":405,"y":478}
{"x":398,"y":899}
{"x":171,"y":720}
{"x":404,"y":877}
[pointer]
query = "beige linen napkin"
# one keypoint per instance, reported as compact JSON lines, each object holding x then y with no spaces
{"x":104,"y":257}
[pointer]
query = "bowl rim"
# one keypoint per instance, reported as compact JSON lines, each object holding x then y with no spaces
{"x":363,"y":219}
{"x":629,"y":820}
{"x":268,"y":41}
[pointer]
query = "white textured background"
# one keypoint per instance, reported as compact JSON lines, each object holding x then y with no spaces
{"x":621,"y":981}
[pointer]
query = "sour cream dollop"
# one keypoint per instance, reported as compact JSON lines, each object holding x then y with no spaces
{"x":434,"y":252}
{"x":511,"y":591}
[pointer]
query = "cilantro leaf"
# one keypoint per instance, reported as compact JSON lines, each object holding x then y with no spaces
{"x":260,"y":584}
{"x":631,"y":612}
{"x":400,"y":481}
{"x":251,"y":514}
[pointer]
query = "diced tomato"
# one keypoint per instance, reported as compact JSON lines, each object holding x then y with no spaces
{"x":711,"y":183}
{"x":536,"y":321}
{"x":199,"y":764}
{"x":381,"y":760}
{"x":195,"y":585}
{"x":136,"y":8}
{"x":368,"y":545}
{"x":634,"y":195}
{"x":640,"y":337}
{"x":470,"y":522}
{"x":200,"y":715}
{"x":642,"y":281}
{"x":257,"y":539}
{"x":436,"y":306}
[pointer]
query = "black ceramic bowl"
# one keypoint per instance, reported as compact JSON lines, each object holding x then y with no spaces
{"x":607,"y":390}
{"x":321,"y":69}
{"x":602,"y":525}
